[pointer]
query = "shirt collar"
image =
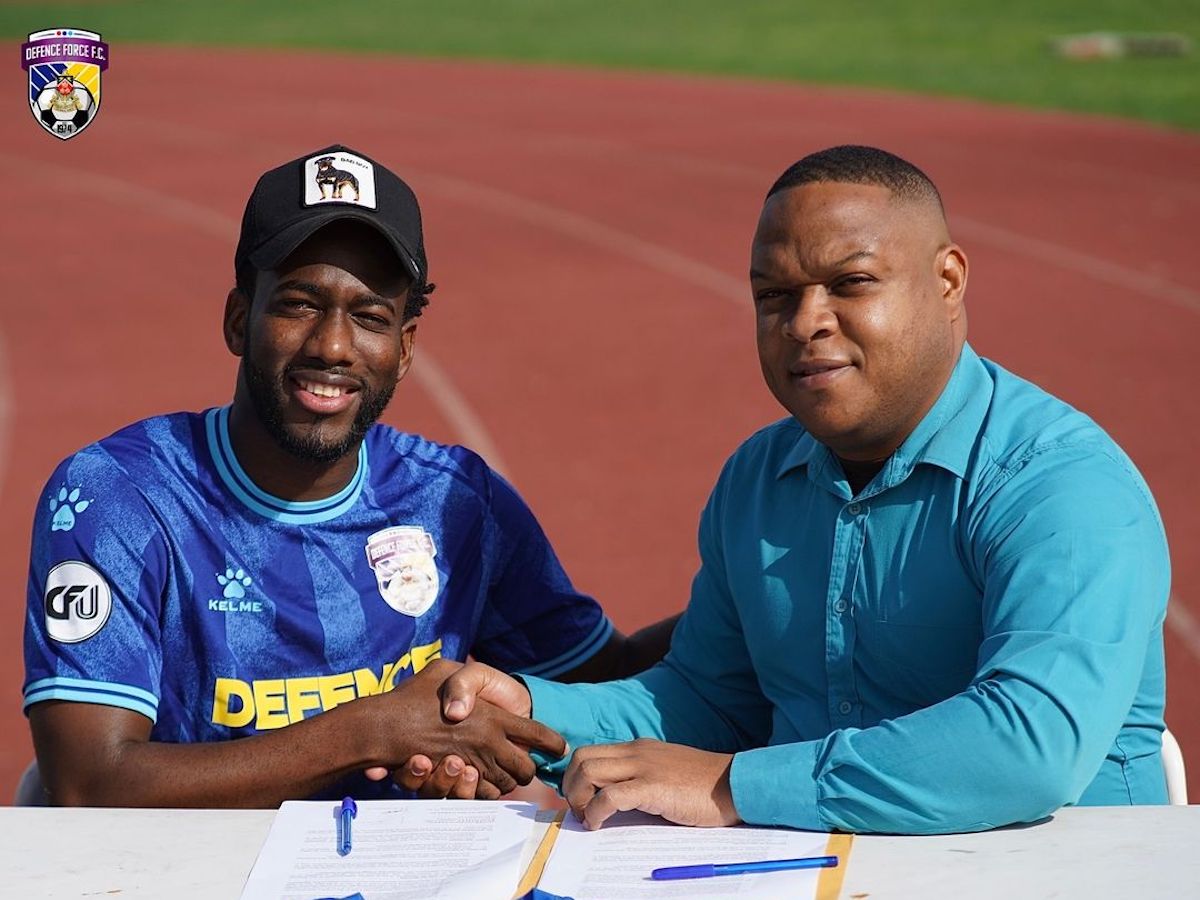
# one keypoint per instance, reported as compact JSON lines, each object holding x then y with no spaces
{"x":801,"y":454}
{"x":945,"y":437}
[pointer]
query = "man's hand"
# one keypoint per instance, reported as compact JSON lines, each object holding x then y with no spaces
{"x":681,"y":784}
{"x":459,"y":693}
{"x":450,"y":778}
{"x":493,"y":741}
{"x":477,"y":680}
{"x":460,"y":774}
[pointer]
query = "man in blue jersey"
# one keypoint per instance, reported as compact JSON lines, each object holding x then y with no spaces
{"x":247,"y":572}
{"x":930,"y":600}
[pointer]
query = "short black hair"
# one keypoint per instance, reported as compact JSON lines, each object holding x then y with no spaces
{"x":246,"y":277}
{"x":856,"y":164}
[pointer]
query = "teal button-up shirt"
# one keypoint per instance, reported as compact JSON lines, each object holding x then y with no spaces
{"x":974,"y":639}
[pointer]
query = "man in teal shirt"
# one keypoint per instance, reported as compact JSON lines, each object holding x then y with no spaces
{"x":930,"y":600}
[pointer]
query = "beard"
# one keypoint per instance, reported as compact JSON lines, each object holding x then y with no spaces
{"x":269,"y":394}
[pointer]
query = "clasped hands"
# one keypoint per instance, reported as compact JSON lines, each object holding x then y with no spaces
{"x":682,"y":784}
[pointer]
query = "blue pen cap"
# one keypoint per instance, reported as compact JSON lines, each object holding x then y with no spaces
{"x":349,"y":806}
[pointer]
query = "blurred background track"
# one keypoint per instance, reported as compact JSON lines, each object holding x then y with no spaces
{"x":592,"y":332}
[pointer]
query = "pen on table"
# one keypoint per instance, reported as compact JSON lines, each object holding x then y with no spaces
{"x":708,"y":870}
{"x":349,"y":811}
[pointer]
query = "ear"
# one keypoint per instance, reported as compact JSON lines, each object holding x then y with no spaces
{"x":953,"y":274}
{"x":408,"y":337}
{"x":237,"y":310}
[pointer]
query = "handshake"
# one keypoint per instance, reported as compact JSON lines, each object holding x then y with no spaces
{"x":465,"y":732}
{"x":469,"y":733}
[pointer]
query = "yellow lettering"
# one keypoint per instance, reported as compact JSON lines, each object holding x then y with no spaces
{"x":366,"y":684}
{"x":396,"y":668}
{"x":422,"y":655}
{"x":276,"y":702}
{"x":336,"y":689}
{"x":225,"y":690}
{"x":269,"y":700}
{"x":301,"y":696}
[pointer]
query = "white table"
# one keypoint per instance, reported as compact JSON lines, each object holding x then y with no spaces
{"x":1123,"y":853}
{"x":1119,"y":852}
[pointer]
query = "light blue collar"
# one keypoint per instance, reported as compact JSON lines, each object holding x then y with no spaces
{"x":296,"y":512}
{"x":945,"y":437}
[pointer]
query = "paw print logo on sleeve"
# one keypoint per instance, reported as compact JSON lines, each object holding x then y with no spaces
{"x":234,"y":584}
{"x":65,"y":506}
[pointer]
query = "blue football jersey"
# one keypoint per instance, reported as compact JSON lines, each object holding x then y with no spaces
{"x":164,"y":581}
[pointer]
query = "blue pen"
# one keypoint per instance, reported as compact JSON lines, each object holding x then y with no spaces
{"x":708,"y":870}
{"x":349,"y":811}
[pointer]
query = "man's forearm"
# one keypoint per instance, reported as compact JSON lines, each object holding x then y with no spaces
{"x":103,"y":755}
{"x":657,"y":704}
{"x":260,"y":771}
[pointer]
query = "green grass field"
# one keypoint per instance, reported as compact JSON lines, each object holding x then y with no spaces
{"x":992,"y":51}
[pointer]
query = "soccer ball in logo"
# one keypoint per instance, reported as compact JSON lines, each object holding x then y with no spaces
{"x":65,"y":105}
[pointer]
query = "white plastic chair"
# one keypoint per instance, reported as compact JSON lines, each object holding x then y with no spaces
{"x":1172,"y":758}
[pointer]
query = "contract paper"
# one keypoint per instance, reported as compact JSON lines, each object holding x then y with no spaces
{"x":616,"y":860}
{"x":402,"y":849}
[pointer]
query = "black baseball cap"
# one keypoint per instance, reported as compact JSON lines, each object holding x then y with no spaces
{"x":291,"y":202}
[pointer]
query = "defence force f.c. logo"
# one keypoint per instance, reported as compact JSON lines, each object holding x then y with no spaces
{"x":64,"y":66}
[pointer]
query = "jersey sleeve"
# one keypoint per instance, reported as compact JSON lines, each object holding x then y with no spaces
{"x":96,"y":575}
{"x":534,"y":621}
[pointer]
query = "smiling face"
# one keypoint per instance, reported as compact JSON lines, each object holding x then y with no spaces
{"x":858,"y":301}
{"x":323,"y":343}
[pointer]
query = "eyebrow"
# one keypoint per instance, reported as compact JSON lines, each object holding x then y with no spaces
{"x":373,"y":300}
{"x":853,"y":257}
{"x":307,"y":287}
{"x":304,"y":287}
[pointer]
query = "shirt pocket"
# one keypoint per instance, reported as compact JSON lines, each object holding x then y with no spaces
{"x":922,"y":646}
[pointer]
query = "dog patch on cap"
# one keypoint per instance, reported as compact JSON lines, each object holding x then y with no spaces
{"x":339,"y":178}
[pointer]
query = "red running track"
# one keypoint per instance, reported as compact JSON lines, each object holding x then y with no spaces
{"x":592,"y":332}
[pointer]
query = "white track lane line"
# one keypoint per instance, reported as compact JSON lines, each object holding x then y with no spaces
{"x":1184,"y":625}
{"x":1051,"y":254}
{"x":432,"y":377}
{"x":589,"y":231}
{"x":454,"y":406}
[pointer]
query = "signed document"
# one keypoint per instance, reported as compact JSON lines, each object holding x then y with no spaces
{"x":400,"y":849}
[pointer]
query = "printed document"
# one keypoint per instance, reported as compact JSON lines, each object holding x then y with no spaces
{"x":400,"y":849}
{"x":616,"y":861}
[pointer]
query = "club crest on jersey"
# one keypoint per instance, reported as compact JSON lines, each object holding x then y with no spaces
{"x":64,"y":66}
{"x":402,"y":559}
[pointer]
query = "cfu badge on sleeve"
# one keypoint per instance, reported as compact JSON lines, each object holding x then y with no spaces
{"x":402,"y":559}
{"x":64,"y":66}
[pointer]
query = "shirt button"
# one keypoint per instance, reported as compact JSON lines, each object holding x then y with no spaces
{"x":854,"y":509}
{"x":844,"y":707}
{"x":840,"y":606}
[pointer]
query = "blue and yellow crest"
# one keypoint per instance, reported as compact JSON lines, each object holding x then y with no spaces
{"x":64,"y":66}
